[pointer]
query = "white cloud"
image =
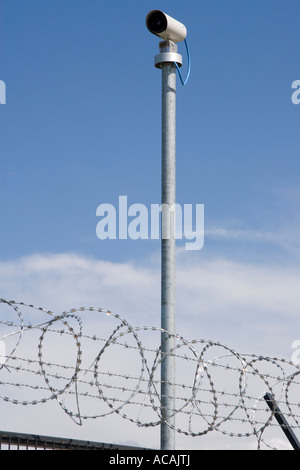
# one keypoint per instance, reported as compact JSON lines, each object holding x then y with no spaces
{"x":251,"y":308}
{"x":65,"y":281}
{"x":256,"y":306}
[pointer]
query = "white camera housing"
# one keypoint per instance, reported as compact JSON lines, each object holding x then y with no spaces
{"x":165,"y":27}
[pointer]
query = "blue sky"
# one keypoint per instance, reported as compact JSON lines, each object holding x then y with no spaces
{"x":82,"y":120}
{"x":81,"y":126}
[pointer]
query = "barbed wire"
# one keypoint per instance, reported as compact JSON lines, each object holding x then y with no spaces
{"x":50,"y":357}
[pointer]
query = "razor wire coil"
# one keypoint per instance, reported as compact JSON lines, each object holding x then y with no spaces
{"x":223,"y":392}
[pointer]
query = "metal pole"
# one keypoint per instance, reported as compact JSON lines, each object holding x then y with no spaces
{"x":168,"y":60}
{"x":282,"y":421}
{"x":165,"y":61}
{"x":168,"y":249}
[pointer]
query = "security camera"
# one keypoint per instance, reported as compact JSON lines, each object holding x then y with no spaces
{"x":165,"y":27}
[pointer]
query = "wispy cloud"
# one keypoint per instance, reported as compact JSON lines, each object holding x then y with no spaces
{"x":277,"y":226}
{"x":243,"y":235}
{"x":284,"y":241}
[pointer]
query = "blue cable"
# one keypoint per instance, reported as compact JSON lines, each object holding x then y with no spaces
{"x":184,"y":82}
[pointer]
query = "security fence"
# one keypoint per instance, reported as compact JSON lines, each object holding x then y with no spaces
{"x":19,"y":441}
{"x":59,"y":358}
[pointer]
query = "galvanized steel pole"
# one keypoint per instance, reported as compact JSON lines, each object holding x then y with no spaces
{"x":168,"y":256}
{"x":165,"y":60}
{"x":172,"y":31}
